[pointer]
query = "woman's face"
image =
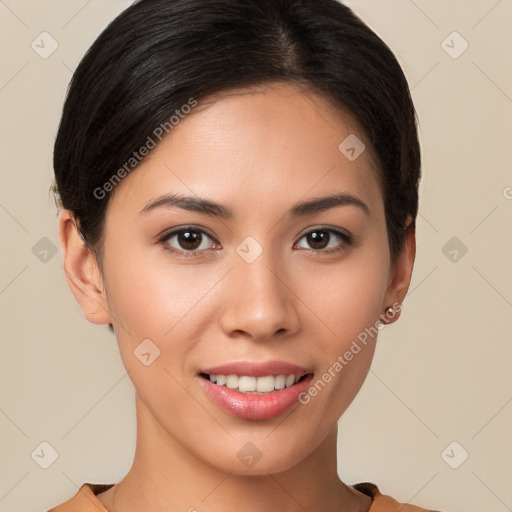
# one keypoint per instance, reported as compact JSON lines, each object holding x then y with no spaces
{"x":257,"y":279}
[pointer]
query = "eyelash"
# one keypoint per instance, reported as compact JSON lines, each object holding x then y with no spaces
{"x":347,"y":241}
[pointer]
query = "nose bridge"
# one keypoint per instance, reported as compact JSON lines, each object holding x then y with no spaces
{"x":259,"y":302}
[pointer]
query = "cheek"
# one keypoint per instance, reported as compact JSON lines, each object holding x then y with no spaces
{"x":348,"y":297}
{"x":159,"y":311}
{"x":348,"y":302}
{"x":149,"y":294}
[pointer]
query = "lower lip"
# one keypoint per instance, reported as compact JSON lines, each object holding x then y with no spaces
{"x":254,"y":406}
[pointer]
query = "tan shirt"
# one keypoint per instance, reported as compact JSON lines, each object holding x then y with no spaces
{"x":85,"y":500}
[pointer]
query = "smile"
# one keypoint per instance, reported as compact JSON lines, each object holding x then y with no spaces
{"x":255,"y":391}
{"x":254,"y":385}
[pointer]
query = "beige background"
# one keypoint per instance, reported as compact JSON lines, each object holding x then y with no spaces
{"x":441,"y":374}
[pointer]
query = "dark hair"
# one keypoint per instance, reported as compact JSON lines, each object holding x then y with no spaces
{"x":158,"y":54}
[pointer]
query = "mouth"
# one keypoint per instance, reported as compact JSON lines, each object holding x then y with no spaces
{"x":255,"y":391}
{"x":248,"y":384}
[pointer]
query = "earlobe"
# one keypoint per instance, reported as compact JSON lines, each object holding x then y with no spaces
{"x":82,"y":271}
{"x":402,"y":272}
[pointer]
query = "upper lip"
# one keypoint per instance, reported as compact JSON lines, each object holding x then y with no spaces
{"x":254,"y":369}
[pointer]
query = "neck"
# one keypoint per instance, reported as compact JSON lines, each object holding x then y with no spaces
{"x":166,"y":477}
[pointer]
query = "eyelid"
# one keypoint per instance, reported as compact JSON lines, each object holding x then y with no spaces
{"x":324,"y":227}
{"x":163,"y":239}
{"x":172,"y":231}
{"x":347,"y":238}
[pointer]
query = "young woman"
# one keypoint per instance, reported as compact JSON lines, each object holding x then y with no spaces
{"x":239,"y":188}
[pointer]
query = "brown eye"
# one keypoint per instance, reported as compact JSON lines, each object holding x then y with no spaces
{"x":318,"y":239}
{"x":326,"y":240}
{"x":187,"y":240}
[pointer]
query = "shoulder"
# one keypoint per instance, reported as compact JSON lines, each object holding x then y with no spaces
{"x":84,"y":500}
{"x":384,"y":503}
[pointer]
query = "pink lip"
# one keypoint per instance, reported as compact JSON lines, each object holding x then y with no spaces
{"x":254,"y":406}
{"x":257,"y":369}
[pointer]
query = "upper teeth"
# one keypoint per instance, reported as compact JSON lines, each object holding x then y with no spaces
{"x":246,"y":384}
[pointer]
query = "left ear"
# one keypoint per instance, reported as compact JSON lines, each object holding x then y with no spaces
{"x":401,"y":276}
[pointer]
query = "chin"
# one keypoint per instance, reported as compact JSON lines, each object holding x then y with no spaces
{"x":252,"y":455}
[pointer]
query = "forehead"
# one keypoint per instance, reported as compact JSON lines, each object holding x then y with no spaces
{"x":264,"y":144}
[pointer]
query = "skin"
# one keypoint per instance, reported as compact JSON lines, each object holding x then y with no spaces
{"x":256,"y":151}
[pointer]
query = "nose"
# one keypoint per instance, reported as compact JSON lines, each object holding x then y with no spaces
{"x":258,"y":300}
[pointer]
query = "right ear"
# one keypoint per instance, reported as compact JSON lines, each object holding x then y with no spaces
{"x":82,"y":271}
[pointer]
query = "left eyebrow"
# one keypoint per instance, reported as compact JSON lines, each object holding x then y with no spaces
{"x":325,"y":203}
{"x":207,"y":207}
